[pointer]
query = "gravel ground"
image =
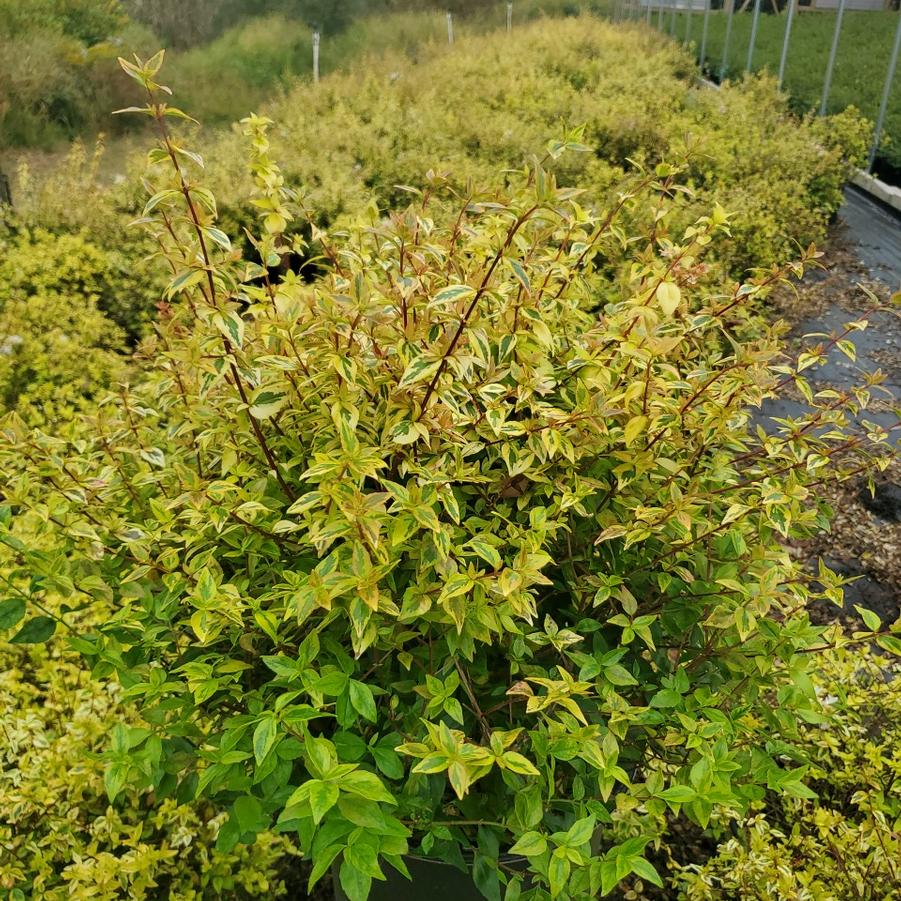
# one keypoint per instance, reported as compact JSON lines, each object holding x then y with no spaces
{"x":865,"y":539}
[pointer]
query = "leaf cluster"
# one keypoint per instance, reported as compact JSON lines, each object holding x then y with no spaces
{"x":467,"y":545}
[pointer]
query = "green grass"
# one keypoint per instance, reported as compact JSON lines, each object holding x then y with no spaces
{"x":861,"y":64}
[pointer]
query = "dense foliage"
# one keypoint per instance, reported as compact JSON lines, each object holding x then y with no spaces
{"x":57,"y":68}
{"x":57,"y":58}
{"x":536,"y":443}
{"x":472,"y":507}
{"x":60,"y":838}
{"x":487,"y":103}
{"x":844,"y":843}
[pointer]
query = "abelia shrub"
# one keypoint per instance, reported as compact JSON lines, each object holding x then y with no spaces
{"x":468,"y":548}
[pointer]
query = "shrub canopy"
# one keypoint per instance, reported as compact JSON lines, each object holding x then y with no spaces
{"x":466,"y":546}
{"x":491,"y":100}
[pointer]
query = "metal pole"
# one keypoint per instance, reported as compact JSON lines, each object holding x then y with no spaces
{"x":753,"y":41}
{"x":660,"y":16}
{"x":792,"y":5}
{"x":725,"y":62}
{"x":647,"y":19}
{"x":886,"y":93}
{"x":509,"y":18}
{"x":704,"y":34}
{"x":688,"y":12}
{"x":450,"y":28}
{"x":827,"y":82}
{"x":315,"y":56}
{"x":672,"y":18}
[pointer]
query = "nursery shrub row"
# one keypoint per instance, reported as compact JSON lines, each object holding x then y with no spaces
{"x":465,"y":546}
{"x":468,"y":110}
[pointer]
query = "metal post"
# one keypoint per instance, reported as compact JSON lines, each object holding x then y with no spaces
{"x":509,"y":18}
{"x":450,"y":28}
{"x":792,"y":5}
{"x":886,"y":94}
{"x":688,"y":12}
{"x":315,"y":56}
{"x":704,"y":34}
{"x":827,"y":82}
{"x":660,"y":16}
{"x":730,"y":15}
{"x":672,"y":18}
{"x":647,"y":18}
{"x":753,"y":41}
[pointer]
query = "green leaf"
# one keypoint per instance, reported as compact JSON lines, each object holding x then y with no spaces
{"x":185,"y":280}
{"x":678,"y":794}
{"x":645,"y":870}
{"x":267,"y":403}
{"x":11,"y":611}
{"x":558,"y":873}
{"x":355,"y":884}
{"x":609,"y":876}
{"x":114,"y":778}
{"x":666,"y":697}
{"x":362,"y":700}
{"x":870,"y":619}
{"x":485,"y":876}
{"x":619,"y":675}
{"x":388,"y":762}
{"x":322,"y":863}
{"x":519,"y":764}
{"x":450,"y":294}
{"x":248,"y":813}
{"x":38,"y":629}
{"x":322,"y":797}
{"x":217,"y":236}
{"x":231,"y":325}
{"x":157,"y":199}
{"x":364,"y":857}
{"x":417,"y":371}
{"x":530,"y":844}
{"x":520,"y":273}
{"x":264,"y":737}
{"x":486,"y":551}
{"x":406,"y":432}
{"x":366,"y":785}
{"x":581,"y":831}
{"x":634,"y":427}
{"x":890,"y":643}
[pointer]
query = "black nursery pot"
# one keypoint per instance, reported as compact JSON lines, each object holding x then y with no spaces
{"x":433,"y":880}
